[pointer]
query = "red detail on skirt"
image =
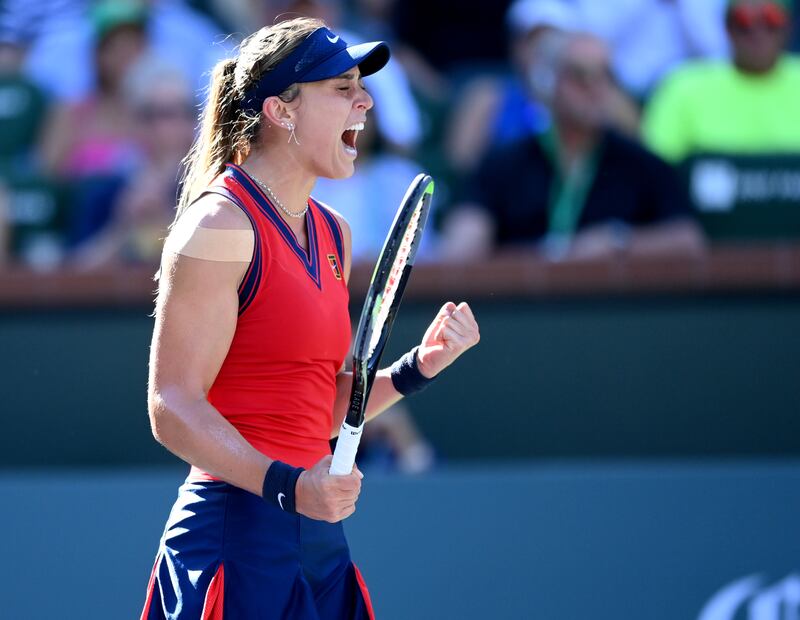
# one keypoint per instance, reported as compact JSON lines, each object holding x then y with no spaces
{"x":150,"y":587}
{"x":364,"y":593}
{"x":215,"y":596}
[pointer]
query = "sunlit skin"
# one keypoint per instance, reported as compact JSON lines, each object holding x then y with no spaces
{"x":320,"y":113}
{"x":200,"y":296}
{"x":326,"y":109}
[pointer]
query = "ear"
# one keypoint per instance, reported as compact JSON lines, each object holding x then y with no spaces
{"x":277,"y":112}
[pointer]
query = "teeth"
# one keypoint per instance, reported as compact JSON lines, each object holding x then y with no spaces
{"x":356,"y":127}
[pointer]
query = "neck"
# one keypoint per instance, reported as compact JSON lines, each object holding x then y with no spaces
{"x":755,"y":71}
{"x":287,"y":179}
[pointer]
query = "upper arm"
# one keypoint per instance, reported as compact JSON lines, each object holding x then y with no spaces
{"x":196,"y":311}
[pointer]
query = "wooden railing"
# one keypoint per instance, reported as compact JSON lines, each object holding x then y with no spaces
{"x":514,"y":275}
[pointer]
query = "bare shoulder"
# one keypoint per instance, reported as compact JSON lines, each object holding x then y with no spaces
{"x":212,"y":229}
{"x":215,"y":211}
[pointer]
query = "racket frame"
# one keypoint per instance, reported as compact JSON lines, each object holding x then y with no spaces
{"x":366,"y":358}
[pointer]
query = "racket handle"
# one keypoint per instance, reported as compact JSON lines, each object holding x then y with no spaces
{"x":344,"y":456}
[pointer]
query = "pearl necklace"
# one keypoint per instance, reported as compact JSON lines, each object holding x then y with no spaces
{"x":274,"y":199}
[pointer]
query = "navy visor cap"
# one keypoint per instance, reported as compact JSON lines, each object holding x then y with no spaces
{"x":322,"y":55}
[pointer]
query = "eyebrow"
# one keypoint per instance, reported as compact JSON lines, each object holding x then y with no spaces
{"x":350,"y":75}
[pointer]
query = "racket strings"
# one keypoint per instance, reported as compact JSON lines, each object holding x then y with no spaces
{"x":386,"y":298}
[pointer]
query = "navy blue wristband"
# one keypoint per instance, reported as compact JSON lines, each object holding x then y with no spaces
{"x":406,"y":377}
{"x":279,"y":485}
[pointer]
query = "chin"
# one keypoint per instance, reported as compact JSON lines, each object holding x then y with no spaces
{"x":340,"y":172}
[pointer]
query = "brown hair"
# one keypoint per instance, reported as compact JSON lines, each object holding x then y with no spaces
{"x":226,"y":131}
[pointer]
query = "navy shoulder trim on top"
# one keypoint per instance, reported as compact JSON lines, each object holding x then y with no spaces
{"x":252,"y":279}
{"x":335,"y":228}
{"x":308,"y":259}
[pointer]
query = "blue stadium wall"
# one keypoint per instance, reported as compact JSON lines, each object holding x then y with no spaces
{"x":641,"y":462}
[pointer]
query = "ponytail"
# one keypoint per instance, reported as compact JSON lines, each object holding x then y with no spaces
{"x":226,"y":131}
{"x":214,"y":145}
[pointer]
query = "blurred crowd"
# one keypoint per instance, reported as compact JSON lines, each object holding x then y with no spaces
{"x":552,"y":126}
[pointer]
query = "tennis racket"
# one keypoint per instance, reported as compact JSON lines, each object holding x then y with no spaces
{"x":380,"y":308}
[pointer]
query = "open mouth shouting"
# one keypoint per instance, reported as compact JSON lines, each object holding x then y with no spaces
{"x":349,"y":138}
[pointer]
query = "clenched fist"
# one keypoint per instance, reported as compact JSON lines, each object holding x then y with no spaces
{"x":453,"y":331}
{"x":320,"y":496}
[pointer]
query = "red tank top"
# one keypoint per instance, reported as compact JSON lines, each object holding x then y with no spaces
{"x":277,"y":384}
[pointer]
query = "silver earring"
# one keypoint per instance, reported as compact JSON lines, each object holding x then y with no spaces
{"x":292,"y":136}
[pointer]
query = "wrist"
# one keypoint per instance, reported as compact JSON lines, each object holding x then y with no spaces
{"x":280,"y":486}
{"x":407,"y":377}
{"x":424,"y":370}
{"x":300,"y":490}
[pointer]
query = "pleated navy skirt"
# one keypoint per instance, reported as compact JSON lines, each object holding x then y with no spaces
{"x":227,"y":554}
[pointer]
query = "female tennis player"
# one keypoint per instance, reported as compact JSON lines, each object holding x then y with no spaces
{"x":252,"y":329}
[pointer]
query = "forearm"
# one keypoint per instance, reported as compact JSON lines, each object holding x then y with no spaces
{"x":452,"y":332}
{"x":197,"y":433}
{"x":382,"y":396}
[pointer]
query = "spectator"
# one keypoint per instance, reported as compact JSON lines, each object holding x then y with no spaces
{"x":60,"y":58}
{"x":442,"y":45}
{"x":30,"y":223}
{"x":143,"y":206}
{"x":190,"y":40}
{"x":393,"y":442}
{"x":748,"y":105}
{"x":94,"y":136}
{"x":649,"y":37}
{"x":453,"y":36}
{"x":496,"y":110}
{"x":581,"y":190}
{"x":23,"y":109}
{"x":373,"y":17}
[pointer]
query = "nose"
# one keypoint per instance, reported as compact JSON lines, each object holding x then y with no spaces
{"x":364,"y":100}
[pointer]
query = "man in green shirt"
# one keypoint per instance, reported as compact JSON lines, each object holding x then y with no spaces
{"x":749,"y":105}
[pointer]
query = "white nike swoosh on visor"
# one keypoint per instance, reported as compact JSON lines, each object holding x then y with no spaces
{"x":333,"y":40}
{"x":280,"y":500}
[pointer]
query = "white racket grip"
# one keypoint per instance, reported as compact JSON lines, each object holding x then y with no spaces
{"x":344,"y":456}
